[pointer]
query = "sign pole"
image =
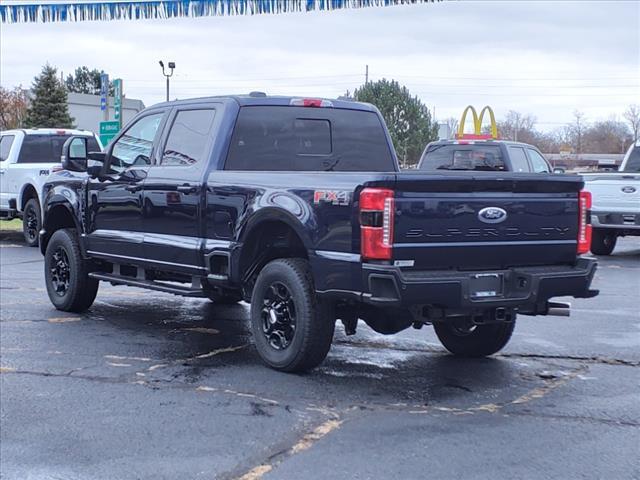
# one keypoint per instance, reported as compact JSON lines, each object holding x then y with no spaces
{"x":117,"y":103}
{"x":104,"y":96}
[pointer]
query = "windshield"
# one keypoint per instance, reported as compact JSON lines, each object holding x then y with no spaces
{"x":633,"y":162}
{"x":462,"y":157}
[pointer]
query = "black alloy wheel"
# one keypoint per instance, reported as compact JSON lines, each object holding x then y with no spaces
{"x":292,"y":328}
{"x":60,"y":269}
{"x":31,"y":222}
{"x":278,"y":316}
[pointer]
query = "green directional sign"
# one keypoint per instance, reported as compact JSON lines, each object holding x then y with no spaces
{"x":108,"y":130}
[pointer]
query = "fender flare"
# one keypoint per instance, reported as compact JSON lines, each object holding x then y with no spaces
{"x":274,"y":214}
{"x":267,"y":214}
{"x":25,"y":186}
{"x":54,"y":202}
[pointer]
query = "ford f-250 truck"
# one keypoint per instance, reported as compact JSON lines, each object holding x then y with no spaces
{"x":297,"y":205}
{"x":616,"y":202}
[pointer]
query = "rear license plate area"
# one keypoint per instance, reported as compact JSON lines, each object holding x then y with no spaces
{"x":486,"y":285}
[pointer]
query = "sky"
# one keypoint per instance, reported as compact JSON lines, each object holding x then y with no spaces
{"x":545,"y":58}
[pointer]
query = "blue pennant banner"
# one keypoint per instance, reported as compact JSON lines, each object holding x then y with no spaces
{"x":81,"y":11}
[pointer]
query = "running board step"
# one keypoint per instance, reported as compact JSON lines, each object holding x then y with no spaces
{"x":148,"y":284}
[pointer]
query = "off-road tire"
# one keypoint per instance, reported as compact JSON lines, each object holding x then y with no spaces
{"x":482,"y":341}
{"x":31,"y":214}
{"x":314,"y":323}
{"x":603,"y":241}
{"x":82,"y":289}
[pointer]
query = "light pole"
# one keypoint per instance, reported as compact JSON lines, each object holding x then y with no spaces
{"x":172,"y":65}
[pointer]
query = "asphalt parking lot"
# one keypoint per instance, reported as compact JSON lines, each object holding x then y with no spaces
{"x":148,"y":385}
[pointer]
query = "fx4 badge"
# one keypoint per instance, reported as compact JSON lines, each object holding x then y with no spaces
{"x":492,"y":215}
{"x":334,"y":197}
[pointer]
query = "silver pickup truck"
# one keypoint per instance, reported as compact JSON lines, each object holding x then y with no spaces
{"x":616,"y":202}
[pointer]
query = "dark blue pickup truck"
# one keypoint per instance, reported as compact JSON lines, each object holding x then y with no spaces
{"x":297,"y":205}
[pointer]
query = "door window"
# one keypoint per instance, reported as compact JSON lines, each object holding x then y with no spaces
{"x":133,"y":149}
{"x":538,"y":162}
{"x":189,"y":137}
{"x":518,"y":159}
{"x":5,"y":146}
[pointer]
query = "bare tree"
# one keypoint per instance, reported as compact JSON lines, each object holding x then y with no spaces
{"x":575,"y":131}
{"x":517,"y":126}
{"x":452,"y":124}
{"x":13,"y":107}
{"x":608,"y":136}
{"x":632,"y":115}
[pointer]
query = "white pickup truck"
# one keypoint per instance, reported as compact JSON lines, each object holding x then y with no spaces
{"x":27,"y":157}
{"x":616,"y":202}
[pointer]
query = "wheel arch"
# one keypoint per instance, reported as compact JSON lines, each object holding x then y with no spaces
{"x":266,"y":237}
{"x":28,"y":192}
{"x":57,"y":215}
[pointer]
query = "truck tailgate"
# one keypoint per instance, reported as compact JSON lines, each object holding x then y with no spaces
{"x":485,"y":221}
{"x":614,"y":191}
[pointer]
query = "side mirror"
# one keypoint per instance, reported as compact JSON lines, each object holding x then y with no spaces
{"x":74,"y":154}
{"x":558,"y":170}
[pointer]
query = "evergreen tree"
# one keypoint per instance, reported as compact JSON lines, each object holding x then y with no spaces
{"x":408,"y":119}
{"x":48,"y":107}
{"x":84,"y":80}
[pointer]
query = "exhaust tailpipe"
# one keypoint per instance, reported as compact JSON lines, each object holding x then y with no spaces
{"x":559,"y":309}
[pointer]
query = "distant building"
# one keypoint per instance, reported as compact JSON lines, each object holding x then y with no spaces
{"x":85,"y":109}
{"x":585,"y":161}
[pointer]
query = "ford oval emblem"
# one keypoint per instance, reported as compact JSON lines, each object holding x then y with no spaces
{"x":629,"y":189}
{"x":492,"y":215}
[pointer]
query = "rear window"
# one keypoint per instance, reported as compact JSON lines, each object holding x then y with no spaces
{"x":633,"y":162}
{"x":462,"y":157}
{"x":285,"y":138}
{"x":48,"y":148}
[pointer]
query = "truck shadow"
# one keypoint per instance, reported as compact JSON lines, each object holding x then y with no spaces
{"x":200,"y":343}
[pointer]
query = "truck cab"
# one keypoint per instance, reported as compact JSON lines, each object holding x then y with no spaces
{"x":483,"y":155}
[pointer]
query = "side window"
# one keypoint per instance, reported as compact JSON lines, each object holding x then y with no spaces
{"x":134,"y":147}
{"x":189,"y":137}
{"x":518,"y":159}
{"x":5,"y":146}
{"x":92,"y":145}
{"x":43,"y":148}
{"x":538,"y":162}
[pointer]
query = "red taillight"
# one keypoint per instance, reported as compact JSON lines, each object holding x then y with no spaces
{"x":377,"y":208}
{"x":584,"y":229}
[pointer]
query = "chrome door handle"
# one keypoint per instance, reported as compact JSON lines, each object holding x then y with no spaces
{"x":186,"y":188}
